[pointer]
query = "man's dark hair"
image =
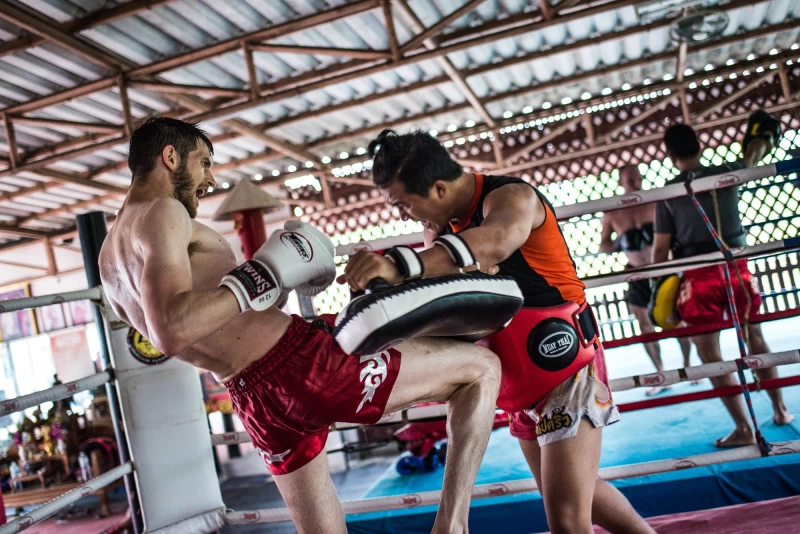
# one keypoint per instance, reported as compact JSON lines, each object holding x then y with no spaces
{"x":152,"y":136}
{"x":415,"y":159}
{"x":681,"y":141}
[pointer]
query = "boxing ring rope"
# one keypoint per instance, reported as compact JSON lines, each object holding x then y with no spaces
{"x":700,"y":185}
{"x":665,"y":378}
{"x":616,"y":202}
{"x":61,"y":391}
{"x":95,"y":294}
{"x":687,"y":331}
{"x":706,"y":370}
{"x":397,"y":502}
{"x":46,"y":510}
{"x":727,"y":391}
{"x":694,"y":262}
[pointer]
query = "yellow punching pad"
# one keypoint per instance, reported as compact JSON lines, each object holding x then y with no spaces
{"x":664,"y":301}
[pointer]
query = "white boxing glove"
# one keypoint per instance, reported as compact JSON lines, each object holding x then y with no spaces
{"x":254,"y":285}
{"x":298,"y":257}
{"x":327,"y":275}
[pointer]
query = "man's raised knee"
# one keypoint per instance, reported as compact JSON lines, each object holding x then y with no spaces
{"x":483,"y":366}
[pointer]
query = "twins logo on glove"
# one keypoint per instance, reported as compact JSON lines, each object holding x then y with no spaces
{"x":286,"y":262}
{"x":300,"y":244}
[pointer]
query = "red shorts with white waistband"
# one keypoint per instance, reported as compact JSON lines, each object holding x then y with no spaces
{"x":703,"y":296}
{"x":288,"y":399}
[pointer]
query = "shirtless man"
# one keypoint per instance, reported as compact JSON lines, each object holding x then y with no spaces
{"x":178,"y":283}
{"x":508,"y":223}
{"x":634,"y":229}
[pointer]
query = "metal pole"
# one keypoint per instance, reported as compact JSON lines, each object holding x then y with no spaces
{"x":92,"y":231}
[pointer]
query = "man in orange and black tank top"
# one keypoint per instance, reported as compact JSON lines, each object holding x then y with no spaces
{"x":554,"y":385}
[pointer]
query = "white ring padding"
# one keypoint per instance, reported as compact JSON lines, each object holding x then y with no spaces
{"x":398,"y":502}
{"x":706,"y":370}
{"x":352,"y":333}
{"x":691,"y":263}
{"x":166,"y":425}
{"x":206,"y":523}
{"x":457,"y":248}
{"x":61,"y":391}
{"x":94,"y":294}
{"x":49,"y":508}
{"x":407,"y":260}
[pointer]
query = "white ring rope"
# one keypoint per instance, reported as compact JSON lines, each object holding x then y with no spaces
{"x":694,"y":262}
{"x":230,"y":438}
{"x":706,"y":370}
{"x":51,"y":507}
{"x":396,"y":502}
{"x":417,"y":413}
{"x":667,"y":192}
{"x":93,"y":293}
{"x":61,"y":391}
{"x":665,"y":378}
{"x":616,"y":202}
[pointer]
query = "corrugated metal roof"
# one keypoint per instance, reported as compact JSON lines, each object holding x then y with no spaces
{"x":512,"y":74}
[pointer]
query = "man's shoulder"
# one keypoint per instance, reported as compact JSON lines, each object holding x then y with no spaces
{"x":163,"y":206}
{"x":496,"y":181}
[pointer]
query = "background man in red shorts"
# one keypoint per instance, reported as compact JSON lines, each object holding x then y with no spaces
{"x":178,"y":283}
{"x":703,"y":296}
{"x":506,"y":222}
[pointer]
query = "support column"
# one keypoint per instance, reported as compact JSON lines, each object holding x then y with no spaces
{"x":92,"y":232}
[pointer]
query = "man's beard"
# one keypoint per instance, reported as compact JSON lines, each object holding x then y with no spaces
{"x":183,"y":190}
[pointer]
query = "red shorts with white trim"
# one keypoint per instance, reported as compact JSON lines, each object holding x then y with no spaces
{"x":703,"y":296}
{"x":288,"y":399}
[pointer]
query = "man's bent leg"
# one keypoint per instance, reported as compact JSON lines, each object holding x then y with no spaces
{"x":781,"y":415}
{"x":468,"y":377}
{"x":610,"y":509}
{"x":653,"y":348}
{"x":709,"y":352}
{"x":311,"y":498}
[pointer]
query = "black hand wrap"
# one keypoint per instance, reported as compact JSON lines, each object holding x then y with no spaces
{"x":459,"y":251}
{"x":407,"y":261}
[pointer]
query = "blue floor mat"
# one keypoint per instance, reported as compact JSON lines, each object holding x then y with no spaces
{"x":655,"y":434}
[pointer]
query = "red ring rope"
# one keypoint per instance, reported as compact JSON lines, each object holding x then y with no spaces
{"x":686,"y":331}
{"x":727,"y":391}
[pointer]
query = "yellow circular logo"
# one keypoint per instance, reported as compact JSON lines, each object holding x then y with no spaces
{"x":144,"y":351}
